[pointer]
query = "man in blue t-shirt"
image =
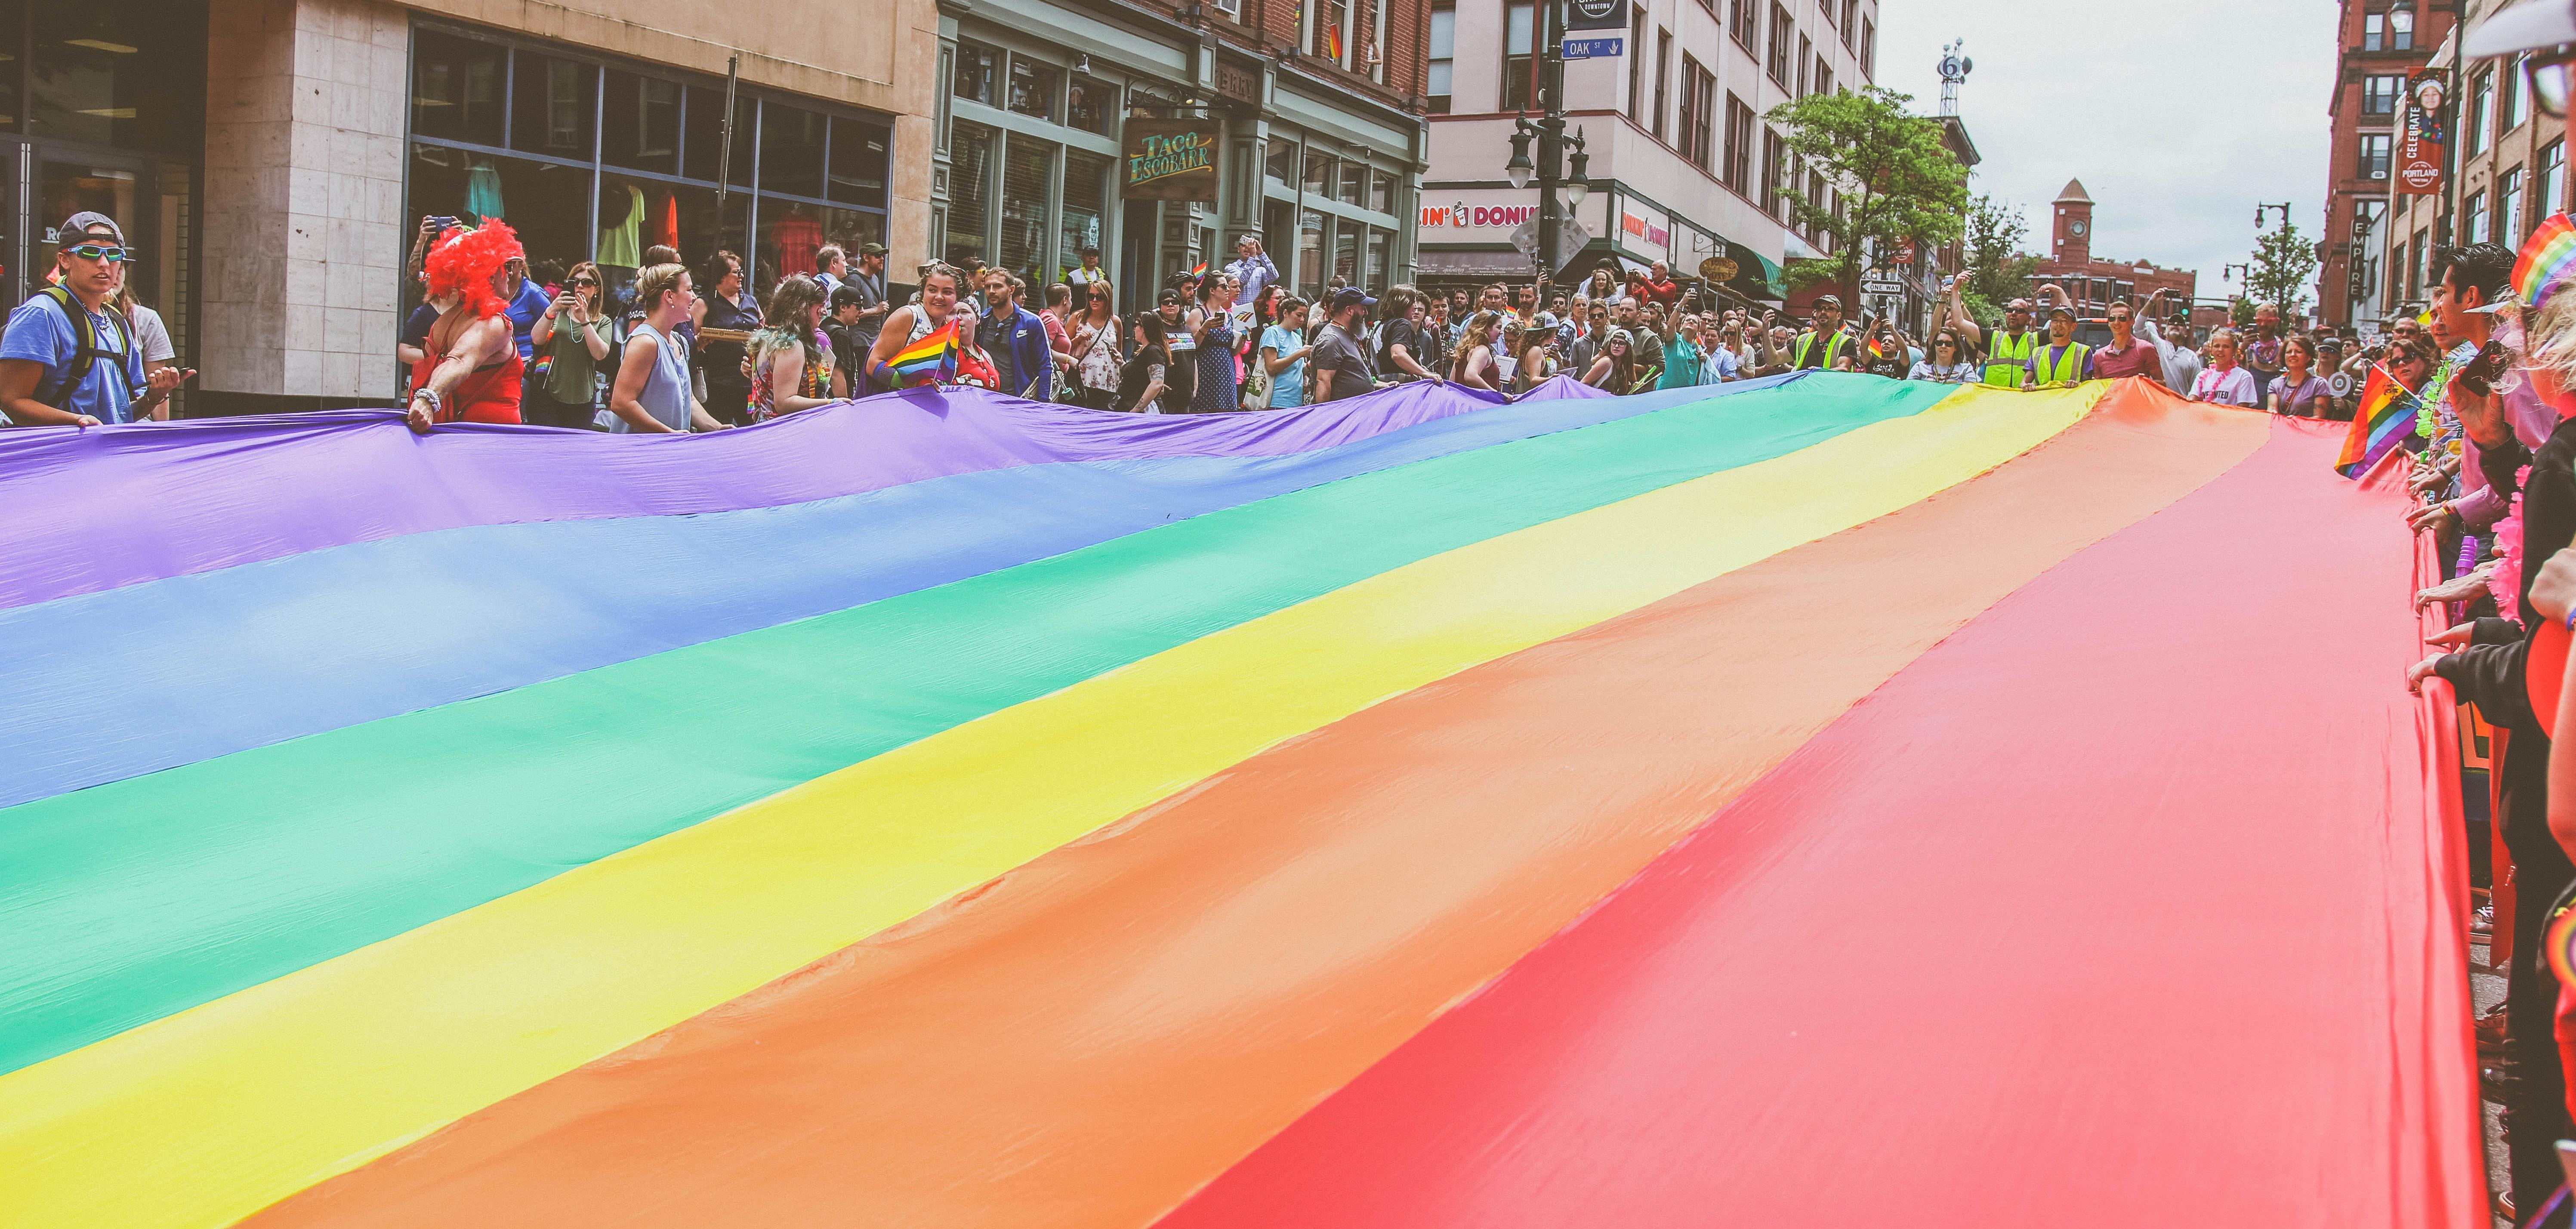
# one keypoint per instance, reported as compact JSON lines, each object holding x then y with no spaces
{"x":44,"y":378}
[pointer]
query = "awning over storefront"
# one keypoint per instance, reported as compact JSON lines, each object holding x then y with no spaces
{"x":1457,"y":262}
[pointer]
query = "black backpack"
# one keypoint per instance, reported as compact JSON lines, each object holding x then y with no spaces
{"x":86,"y":329}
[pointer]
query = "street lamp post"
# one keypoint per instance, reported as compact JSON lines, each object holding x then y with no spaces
{"x":1549,"y":133}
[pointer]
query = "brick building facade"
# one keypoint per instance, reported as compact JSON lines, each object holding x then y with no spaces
{"x":2380,"y":44}
{"x":2510,"y":173}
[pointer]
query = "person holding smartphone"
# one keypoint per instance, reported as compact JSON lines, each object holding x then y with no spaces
{"x":571,"y":340}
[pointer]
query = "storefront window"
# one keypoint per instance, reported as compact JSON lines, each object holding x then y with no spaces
{"x":643,"y":123}
{"x":1346,"y":252}
{"x":791,"y":232}
{"x":1027,"y":168}
{"x":547,"y":203}
{"x":1378,"y":242}
{"x":1382,"y":192}
{"x":456,"y":88}
{"x":114,"y":73}
{"x":791,"y":150}
{"x":1032,"y":88}
{"x":646,"y":128}
{"x":1319,"y":174}
{"x":1354,"y":182}
{"x":1281,"y":164}
{"x":979,"y":71}
{"x":1086,"y":206}
{"x":970,"y":172}
{"x":704,"y":120}
{"x":1310,"y":253}
{"x":1090,"y":103}
{"x":858,"y":163}
{"x":551,"y":114}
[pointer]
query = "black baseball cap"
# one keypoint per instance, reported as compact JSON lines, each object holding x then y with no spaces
{"x":846,"y":295}
{"x":1350,"y":297}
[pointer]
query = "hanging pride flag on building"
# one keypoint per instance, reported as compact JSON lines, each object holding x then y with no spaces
{"x":2383,"y":419}
{"x":1419,"y":811}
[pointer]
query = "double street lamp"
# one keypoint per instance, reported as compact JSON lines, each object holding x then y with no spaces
{"x":1549,"y":132}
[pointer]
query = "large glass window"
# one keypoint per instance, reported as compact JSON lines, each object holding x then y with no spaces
{"x":1346,"y":252}
{"x":2379,"y":94}
{"x":547,"y":203}
{"x":1354,"y":182}
{"x":1032,"y":87}
{"x":791,"y":232}
{"x":2509,"y":102}
{"x":791,"y":150}
{"x":1379,"y":244}
{"x":1281,"y":164}
{"x":1089,"y":103}
{"x":706,"y":135}
{"x":113,"y":73}
{"x":1028,"y":167}
{"x":1086,"y":206}
{"x":1518,"y":64}
{"x":970,"y":176}
{"x":2509,"y":207}
{"x":1319,"y":174}
{"x":642,"y":123}
{"x":1310,"y":253}
{"x":979,"y":74}
{"x":646,"y":129}
{"x":2473,"y":135}
{"x":1381,"y":192}
{"x":2474,"y":218}
{"x":551,"y":113}
{"x":1444,"y":48}
{"x":2374,"y":31}
{"x":2549,"y":182}
{"x":859,"y":158}
{"x":2374,"y":155}
{"x":456,"y":87}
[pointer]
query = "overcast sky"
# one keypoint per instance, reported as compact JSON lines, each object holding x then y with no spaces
{"x":2177,"y":116}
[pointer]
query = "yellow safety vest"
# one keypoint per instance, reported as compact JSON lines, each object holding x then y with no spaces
{"x":1833,"y":350}
{"x":2004,"y":366}
{"x":2069,"y":368}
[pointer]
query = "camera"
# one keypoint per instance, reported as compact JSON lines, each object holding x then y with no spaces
{"x":440,"y":224}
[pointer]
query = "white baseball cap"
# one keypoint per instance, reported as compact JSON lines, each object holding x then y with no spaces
{"x":2522,"y":27}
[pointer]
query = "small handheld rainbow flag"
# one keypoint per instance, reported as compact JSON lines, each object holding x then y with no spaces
{"x":2549,"y":256}
{"x":1200,"y":271}
{"x":2386,"y":416}
{"x":931,"y":359}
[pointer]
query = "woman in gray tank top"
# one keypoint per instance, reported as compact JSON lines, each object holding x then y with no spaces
{"x":652,"y":396}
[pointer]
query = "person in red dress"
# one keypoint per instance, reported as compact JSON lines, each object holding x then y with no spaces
{"x":469,"y":371}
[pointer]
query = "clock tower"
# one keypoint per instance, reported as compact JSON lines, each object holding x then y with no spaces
{"x":2071,"y":243}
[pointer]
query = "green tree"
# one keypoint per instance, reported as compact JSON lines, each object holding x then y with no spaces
{"x":2240,"y":312}
{"x":1895,"y":178}
{"x":1997,"y":271}
{"x":2283,"y":262}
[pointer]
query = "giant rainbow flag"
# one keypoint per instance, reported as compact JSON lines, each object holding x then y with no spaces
{"x":1811,"y":801}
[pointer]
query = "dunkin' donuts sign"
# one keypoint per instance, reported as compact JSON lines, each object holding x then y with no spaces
{"x":1461,"y":215}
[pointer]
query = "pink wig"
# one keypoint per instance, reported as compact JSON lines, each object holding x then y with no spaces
{"x":463,"y":262}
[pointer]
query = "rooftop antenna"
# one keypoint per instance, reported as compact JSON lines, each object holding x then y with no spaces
{"x":1954,"y":70}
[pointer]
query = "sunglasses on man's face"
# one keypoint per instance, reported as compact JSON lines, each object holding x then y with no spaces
{"x":94,"y":251}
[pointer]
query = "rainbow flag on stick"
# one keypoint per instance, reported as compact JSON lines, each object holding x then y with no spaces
{"x":931,"y":359}
{"x":2386,"y":415}
{"x":2547,"y":257}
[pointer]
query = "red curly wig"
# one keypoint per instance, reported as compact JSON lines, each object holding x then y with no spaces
{"x":463,"y":262}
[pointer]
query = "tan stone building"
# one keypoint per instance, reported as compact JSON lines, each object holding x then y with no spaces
{"x":271,"y":159}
